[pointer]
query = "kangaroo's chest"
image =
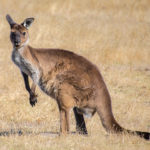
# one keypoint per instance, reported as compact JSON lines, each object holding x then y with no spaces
{"x":25,"y":66}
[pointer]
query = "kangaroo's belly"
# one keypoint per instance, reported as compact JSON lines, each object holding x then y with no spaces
{"x":66,"y":89}
{"x":88,"y":112}
{"x":49,"y":86}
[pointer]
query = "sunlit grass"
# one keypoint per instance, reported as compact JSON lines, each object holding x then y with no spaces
{"x":114,"y":35}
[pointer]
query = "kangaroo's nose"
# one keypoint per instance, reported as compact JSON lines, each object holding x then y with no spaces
{"x":17,"y":43}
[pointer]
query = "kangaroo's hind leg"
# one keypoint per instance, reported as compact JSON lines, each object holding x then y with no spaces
{"x":80,"y":123}
{"x":64,"y":121}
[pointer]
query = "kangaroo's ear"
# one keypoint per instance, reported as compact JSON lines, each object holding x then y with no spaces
{"x":10,"y":20}
{"x":27,"y":22}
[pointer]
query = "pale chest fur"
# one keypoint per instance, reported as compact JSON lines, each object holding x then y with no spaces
{"x":25,"y":65}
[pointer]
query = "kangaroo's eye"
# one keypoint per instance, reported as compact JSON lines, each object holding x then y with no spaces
{"x":24,"y":33}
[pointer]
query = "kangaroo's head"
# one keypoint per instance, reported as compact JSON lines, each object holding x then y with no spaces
{"x":19,"y":35}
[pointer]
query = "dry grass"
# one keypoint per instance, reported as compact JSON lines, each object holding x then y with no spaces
{"x":115,"y":35}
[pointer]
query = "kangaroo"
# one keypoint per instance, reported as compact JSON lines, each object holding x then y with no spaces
{"x":70,"y":79}
{"x":16,"y":39}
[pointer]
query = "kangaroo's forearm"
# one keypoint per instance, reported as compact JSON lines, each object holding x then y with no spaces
{"x":33,"y":87}
{"x":31,"y":91}
{"x":26,"y":82}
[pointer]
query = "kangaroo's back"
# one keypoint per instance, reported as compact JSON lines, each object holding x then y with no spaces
{"x":65,"y":67}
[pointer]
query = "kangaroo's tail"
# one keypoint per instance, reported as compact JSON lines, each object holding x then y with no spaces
{"x":111,"y":125}
{"x":145,"y":135}
{"x":104,"y":110}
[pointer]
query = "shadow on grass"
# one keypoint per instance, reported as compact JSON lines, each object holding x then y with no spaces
{"x":22,"y":133}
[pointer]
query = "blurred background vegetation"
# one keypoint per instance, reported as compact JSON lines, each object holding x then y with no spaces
{"x":114,"y":35}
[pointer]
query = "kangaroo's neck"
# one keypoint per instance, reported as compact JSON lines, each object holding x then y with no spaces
{"x":21,"y":49}
{"x":23,"y":53}
{"x":26,"y":60}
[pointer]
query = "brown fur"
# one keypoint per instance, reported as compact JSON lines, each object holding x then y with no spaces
{"x":73,"y":81}
{"x":70,"y":79}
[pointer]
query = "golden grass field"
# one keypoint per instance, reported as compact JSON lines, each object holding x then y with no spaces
{"x":114,"y":35}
